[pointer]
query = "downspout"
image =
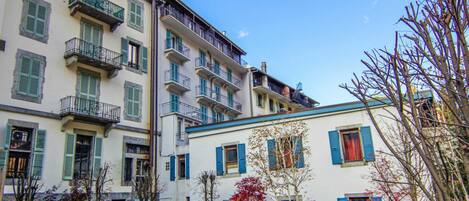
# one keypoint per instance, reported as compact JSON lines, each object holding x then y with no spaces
{"x":250,"y":92}
{"x":154,"y":87}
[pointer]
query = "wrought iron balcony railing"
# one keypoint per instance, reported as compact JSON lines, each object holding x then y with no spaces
{"x":186,"y":110}
{"x":218,"y":97}
{"x":178,"y":46}
{"x":103,"y":10}
{"x":92,"y":54}
{"x":171,"y":76}
{"x":222,"y":74}
{"x":89,"y":110}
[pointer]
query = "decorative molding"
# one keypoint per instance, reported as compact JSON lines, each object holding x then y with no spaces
{"x":15,"y":94}
{"x":24,"y":32}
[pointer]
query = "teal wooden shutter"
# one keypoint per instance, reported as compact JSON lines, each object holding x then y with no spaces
{"x":271,"y":154}
{"x":298,"y":154}
{"x":229,"y":75}
{"x":376,"y":198}
{"x":174,"y":72}
{"x":367,"y":141}
{"x":124,"y":50}
{"x":168,"y":39}
{"x":203,"y":86}
{"x":230,"y":99}
{"x":241,"y":158}
{"x":6,"y":146}
{"x":144,"y":59}
{"x":97,"y":158}
{"x":342,"y":199}
{"x":204,"y":114}
{"x":38,"y":154}
{"x":202,"y":61}
{"x":174,"y":103}
{"x":219,"y":158}
{"x":172,"y":168}
{"x":187,"y":166}
{"x":69,"y":156}
{"x":334,"y":142}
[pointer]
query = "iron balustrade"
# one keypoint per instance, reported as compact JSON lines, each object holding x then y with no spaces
{"x":186,"y":110}
{"x":275,"y":88}
{"x":218,"y":97}
{"x":76,"y":46}
{"x":104,"y":6}
{"x":171,"y":43}
{"x":92,"y":109}
{"x":178,"y":78}
{"x":208,"y":35}
{"x":219,"y":72}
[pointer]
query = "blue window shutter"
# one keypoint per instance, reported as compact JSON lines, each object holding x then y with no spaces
{"x":271,"y":153}
{"x":124,"y":50}
{"x":168,"y":39}
{"x":38,"y":154}
{"x":98,"y":150}
{"x":219,"y":157}
{"x":187,"y":166}
{"x":144,"y":59}
{"x":172,"y":168}
{"x":334,"y":141}
{"x":299,"y":157}
{"x":376,"y":198}
{"x":241,"y":158}
{"x":342,"y":199}
{"x":367,"y":142}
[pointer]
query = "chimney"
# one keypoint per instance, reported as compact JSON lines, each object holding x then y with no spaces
{"x":264,"y":67}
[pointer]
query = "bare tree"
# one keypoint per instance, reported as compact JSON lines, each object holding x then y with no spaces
{"x":26,"y":188}
{"x":277,"y":155}
{"x":432,"y":55}
{"x":148,"y":187}
{"x":207,"y":182}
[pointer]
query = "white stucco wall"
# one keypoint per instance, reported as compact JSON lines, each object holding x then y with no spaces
{"x":330,"y":181}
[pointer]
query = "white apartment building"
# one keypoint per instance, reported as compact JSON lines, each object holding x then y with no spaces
{"x":75,"y":89}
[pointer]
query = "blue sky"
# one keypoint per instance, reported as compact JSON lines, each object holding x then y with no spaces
{"x":319,"y":43}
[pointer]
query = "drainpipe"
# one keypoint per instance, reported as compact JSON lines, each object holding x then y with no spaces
{"x":154,"y":87}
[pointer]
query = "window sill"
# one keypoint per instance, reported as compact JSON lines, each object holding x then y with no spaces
{"x":353,"y":164}
{"x":232,"y":175}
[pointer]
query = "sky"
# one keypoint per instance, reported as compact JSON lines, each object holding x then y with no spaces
{"x":317,"y":42}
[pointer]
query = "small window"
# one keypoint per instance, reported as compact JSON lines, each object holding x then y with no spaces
{"x":167,"y":166}
{"x":83,"y":149}
{"x":133,"y":55}
{"x":352,"y":148}
{"x":20,"y":151}
{"x":136,"y":15}
{"x":179,"y":129}
{"x":181,"y":166}
{"x":128,"y":169}
{"x":271,"y":105}
{"x":29,"y":76}
{"x":260,"y":100}
{"x":136,"y":161}
{"x":35,"y":20}
{"x":231,"y":162}
{"x":133,"y":101}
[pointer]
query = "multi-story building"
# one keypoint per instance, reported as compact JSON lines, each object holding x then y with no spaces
{"x":269,"y":95}
{"x":75,"y":90}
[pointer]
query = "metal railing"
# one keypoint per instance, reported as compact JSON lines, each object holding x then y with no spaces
{"x":186,"y":110}
{"x":89,"y":108}
{"x":218,"y":71}
{"x":218,"y":97}
{"x":104,"y":6}
{"x":171,"y":43}
{"x":81,"y":47}
{"x":208,"y":35}
{"x":275,"y":88}
{"x":179,"y":78}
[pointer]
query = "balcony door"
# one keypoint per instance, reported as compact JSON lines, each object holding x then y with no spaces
{"x":87,"y":97}
{"x":91,"y":39}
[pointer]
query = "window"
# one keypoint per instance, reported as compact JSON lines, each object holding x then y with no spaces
{"x":133,"y":101}
{"x":260,"y":100}
{"x":82,"y":162}
{"x":136,"y":15}
{"x":136,"y":159}
{"x":204,"y":114}
{"x":133,"y":55}
{"x":179,"y":129}
{"x":167,"y":166}
{"x":181,"y":166}
{"x":231,"y":162}
{"x":174,"y":102}
{"x":141,"y":169}
{"x":20,"y":151}
{"x":230,"y":99}
{"x":174,"y":73}
{"x":229,"y":75}
{"x":219,"y":117}
{"x":216,"y":67}
{"x":271,"y":105}
{"x":217,"y":93}
{"x":285,"y":153}
{"x":29,"y":76}
{"x":35,"y":20}
{"x":351,"y":145}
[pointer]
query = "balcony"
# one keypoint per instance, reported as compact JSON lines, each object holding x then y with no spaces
{"x":209,"y":97}
{"x":209,"y":71}
{"x":176,"y":51}
{"x":180,"y":108}
{"x":271,"y":89}
{"x":189,"y":28}
{"x":75,"y":108}
{"x":176,"y":82}
{"x":78,"y":50}
{"x":103,"y":10}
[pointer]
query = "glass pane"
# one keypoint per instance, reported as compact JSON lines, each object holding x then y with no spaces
{"x":30,"y":23}
{"x":132,"y":18}
{"x":87,"y":32}
{"x":128,"y":169}
{"x":32,"y":8}
{"x":138,"y":20}
{"x":130,"y":93}
{"x":35,"y":68}
{"x":84,"y":84}
{"x":139,"y":10}
{"x":25,"y":63}
{"x":41,"y":12}
{"x":130,"y":110}
{"x":39,"y":27}
{"x":23,"y":85}
{"x":136,"y":109}
{"x":132,"y":7}
{"x":34,"y":86}
{"x":93,"y":86}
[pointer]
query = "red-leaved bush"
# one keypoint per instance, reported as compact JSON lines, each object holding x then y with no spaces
{"x":249,"y":189}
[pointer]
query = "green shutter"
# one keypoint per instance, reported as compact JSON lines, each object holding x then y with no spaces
{"x":144,"y":59}
{"x":124,"y":50}
{"x":38,"y":153}
{"x":69,"y":156}
{"x":6,"y":146}
{"x":168,"y":39}
{"x":98,"y":146}
{"x":138,"y":102}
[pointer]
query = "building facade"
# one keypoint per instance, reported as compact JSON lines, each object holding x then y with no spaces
{"x":75,"y":82}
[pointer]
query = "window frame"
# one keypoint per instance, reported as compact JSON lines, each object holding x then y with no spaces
{"x":90,"y":156}
{"x":134,"y":87}
{"x":181,"y":166}
{"x":349,"y":131}
{"x":134,"y":157}
{"x":46,"y":21}
{"x":131,"y":13}
{"x":15,"y":92}
{"x":133,"y":53}
{"x":230,"y":164}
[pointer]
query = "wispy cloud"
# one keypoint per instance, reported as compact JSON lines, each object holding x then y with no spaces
{"x":366,"y":19}
{"x":242,"y":34}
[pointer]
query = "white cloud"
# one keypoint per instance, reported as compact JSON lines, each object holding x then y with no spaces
{"x":242,"y":34}
{"x":366,"y":19}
